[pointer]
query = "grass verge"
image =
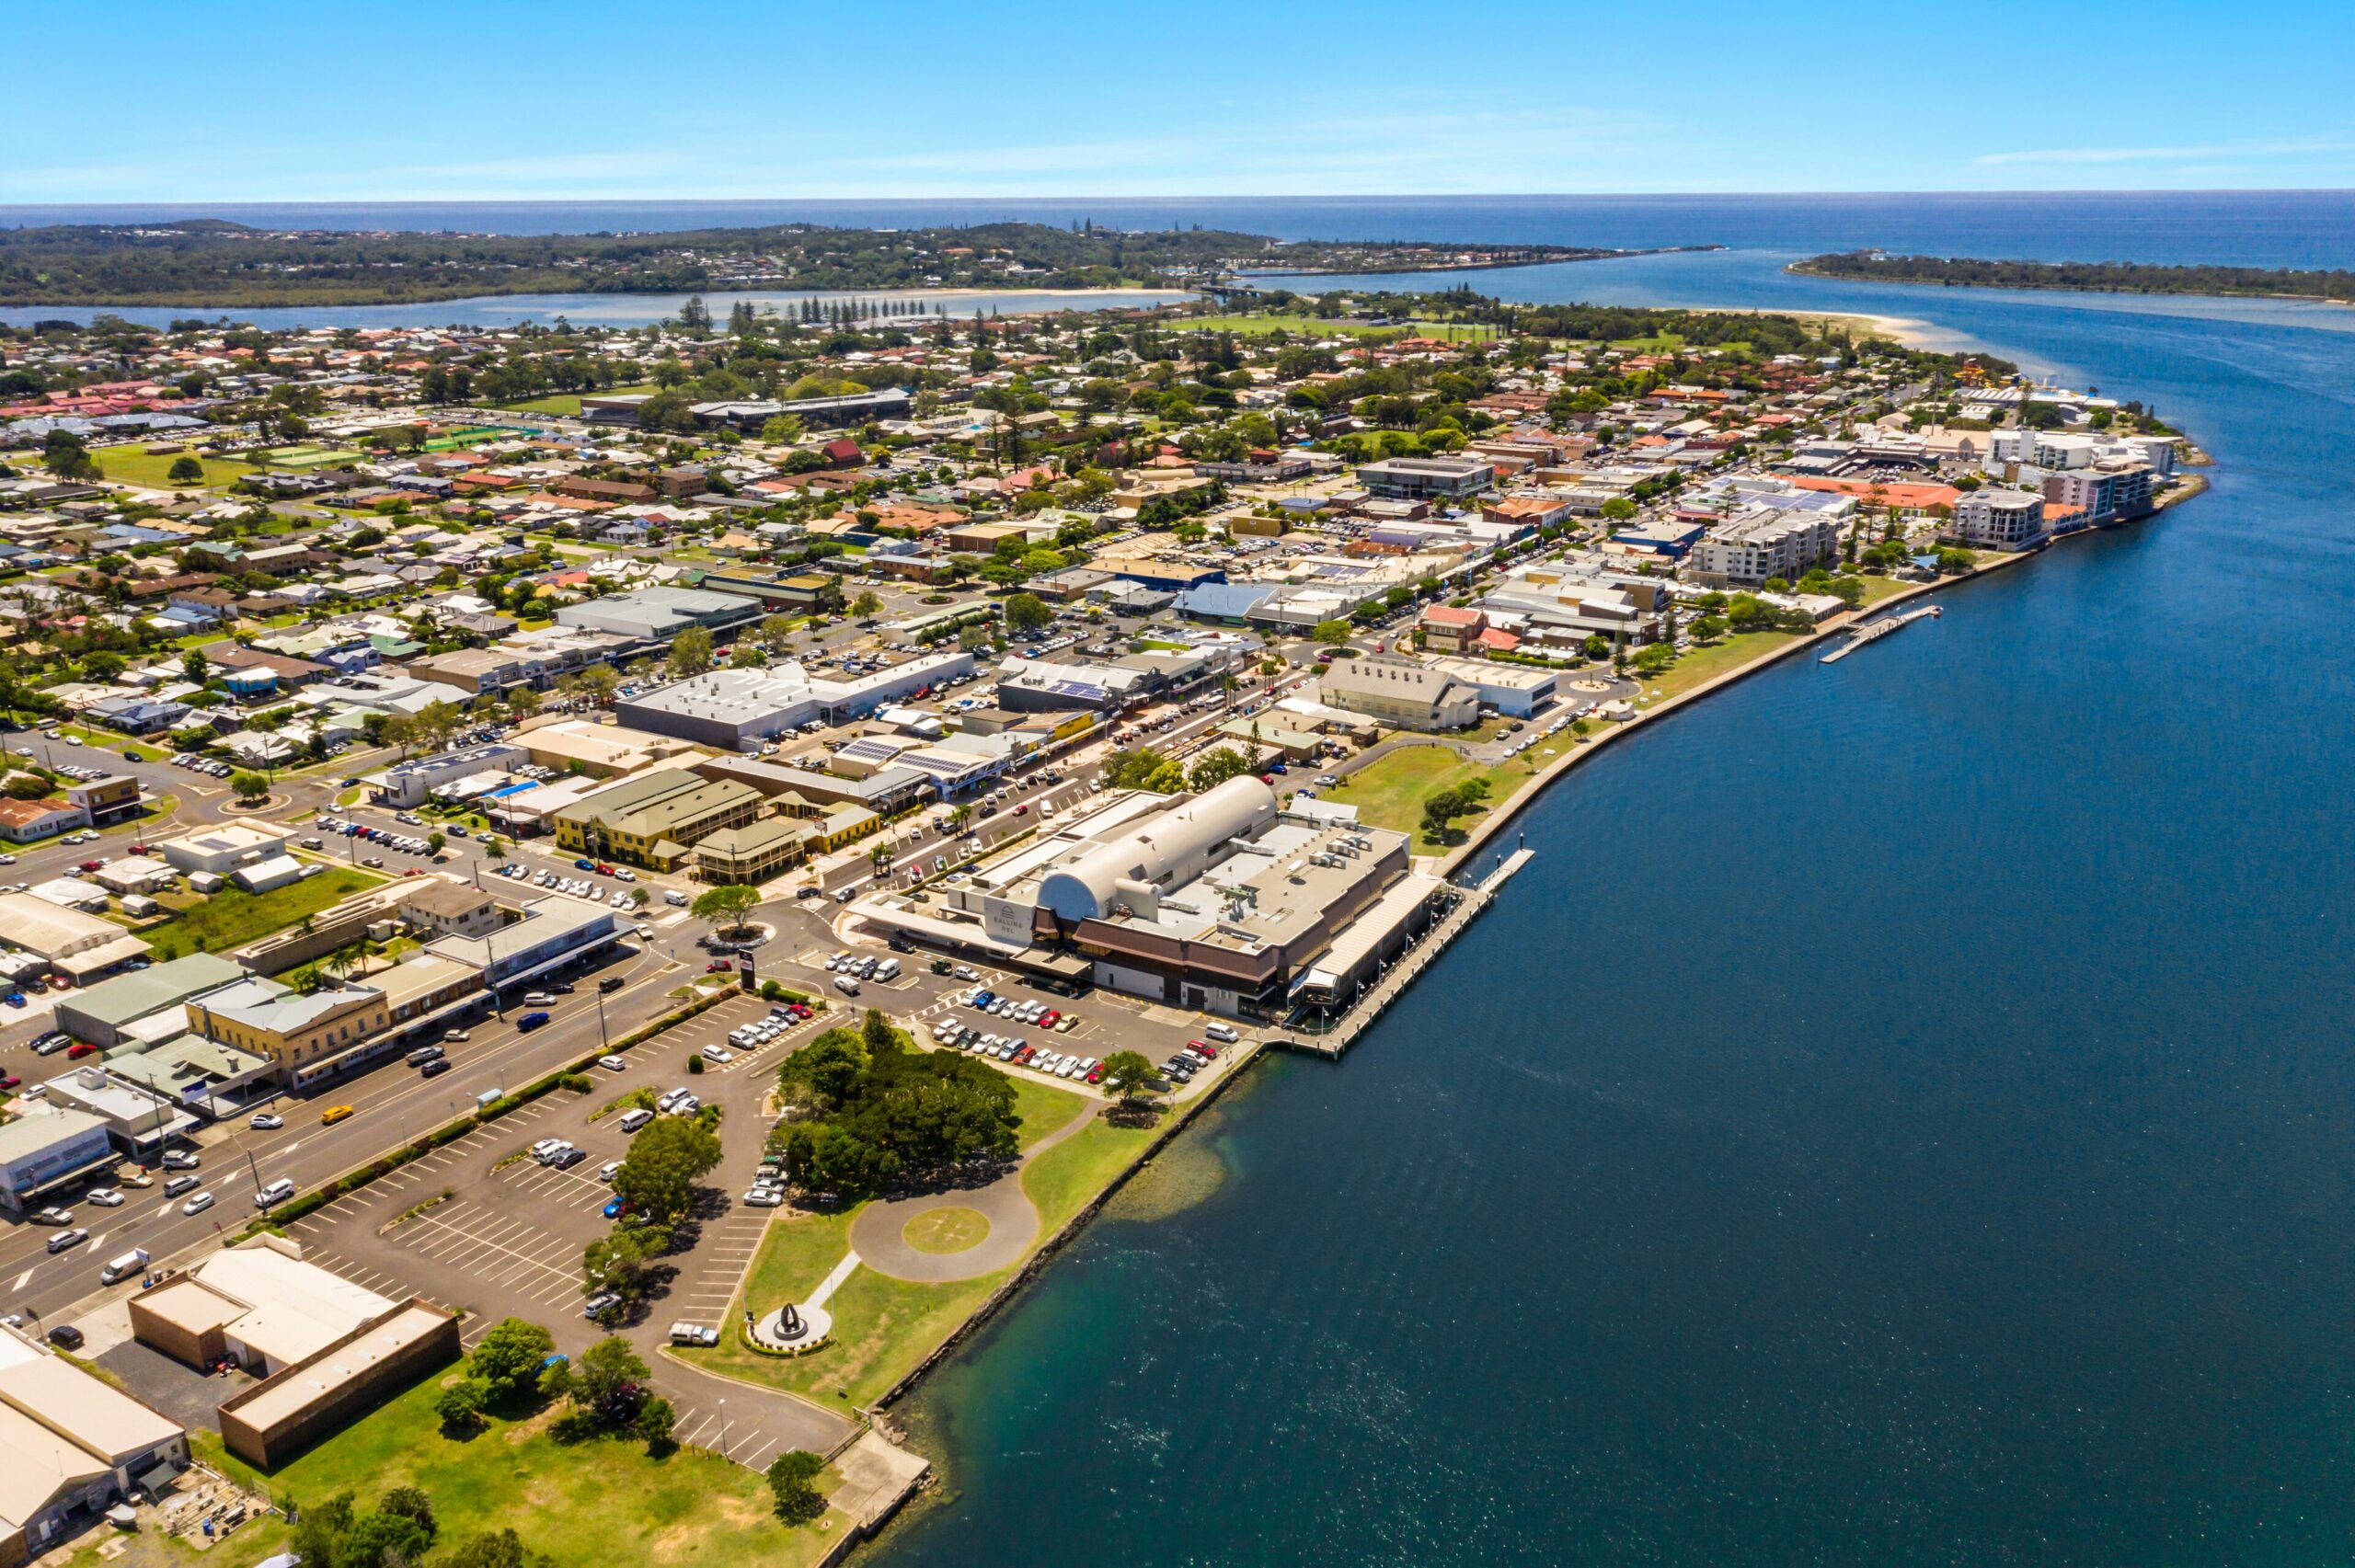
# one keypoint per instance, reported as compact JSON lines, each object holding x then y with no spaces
{"x":589,"y":1504}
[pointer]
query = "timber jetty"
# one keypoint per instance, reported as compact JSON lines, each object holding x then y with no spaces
{"x":1476,"y":897}
{"x":1877,"y":630}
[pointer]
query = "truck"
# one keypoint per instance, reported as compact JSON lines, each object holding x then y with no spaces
{"x":123,"y":1267}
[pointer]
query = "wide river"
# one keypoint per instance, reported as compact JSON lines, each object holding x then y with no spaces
{"x":1904,"y":1114}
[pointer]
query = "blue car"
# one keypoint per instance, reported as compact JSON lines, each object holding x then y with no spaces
{"x":531,"y":1021}
{"x":14,"y":999}
{"x":987,"y":999}
{"x":614,"y":1209}
{"x":584,"y":865}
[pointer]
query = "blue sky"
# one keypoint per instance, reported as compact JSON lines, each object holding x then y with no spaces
{"x":256,"y":100}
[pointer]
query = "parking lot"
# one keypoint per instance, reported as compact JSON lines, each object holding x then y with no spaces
{"x":482,"y":1227}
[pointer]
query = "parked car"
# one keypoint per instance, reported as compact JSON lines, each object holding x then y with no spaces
{"x":180,"y":1159}
{"x":598,"y":1306}
{"x":266,"y":1121}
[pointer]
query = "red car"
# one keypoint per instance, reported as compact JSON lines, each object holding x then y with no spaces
{"x":603,"y":869}
{"x":10,"y":1081}
{"x":1096,"y":1073}
{"x":1204,"y":1047}
{"x":59,"y":982}
{"x":89,"y":866}
{"x":79,"y":1048}
{"x":1023,"y":809}
{"x":719,"y":967}
{"x":1047,"y":1019}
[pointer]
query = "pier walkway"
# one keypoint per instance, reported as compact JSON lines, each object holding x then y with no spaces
{"x":1371,"y":1002}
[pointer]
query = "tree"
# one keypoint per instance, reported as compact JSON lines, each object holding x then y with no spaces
{"x":792,"y":1477}
{"x":690,"y":652}
{"x":1618,"y":509}
{"x":1142,"y":769}
{"x":605,"y":1379}
{"x":460,"y":1406}
{"x":1216,"y":768}
{"x":250,"y":785}
{"x":510,"y":1355}
{"x":411,"y":1503}
{"x":196,"y":667}
{"x":492,"y":848}
{"x":866,"y":603}
{"x":617,"y":1261}
{"x":724,"y":906}
{"x":655,"y":1420}
{"x":522,"y":701}
{"x":598,"y":683}
{"x":659,"y":1174}
{"x":185,"y":471}
{"x":309,"y":980}
{"x":380,"y":1539}
{"x":1127,"y":1074}
{"x":1027,"y":613}
{"x":436,"y":842}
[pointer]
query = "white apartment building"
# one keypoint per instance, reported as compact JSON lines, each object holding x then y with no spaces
{"x":1762,"y":542}
{"x":1999,"y":519}
{"x":2103,"y":494}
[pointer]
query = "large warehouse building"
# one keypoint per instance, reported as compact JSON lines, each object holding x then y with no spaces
{"x":1224,"y":902}
{"x":734,"y":710}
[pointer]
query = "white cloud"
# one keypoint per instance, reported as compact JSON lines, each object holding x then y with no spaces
{"x":2302,"y":147}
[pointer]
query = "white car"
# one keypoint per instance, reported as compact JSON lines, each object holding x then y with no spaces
{"x":105,"y":1198}
{"x":763,"y":1197}
{"x":198,"y":1204}
{"x":719,"y":1054}
{"x":612,"y":1064}
{"x":266,"y":1121}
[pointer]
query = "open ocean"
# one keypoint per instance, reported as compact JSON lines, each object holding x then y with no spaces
{"x":1904,"y":1116}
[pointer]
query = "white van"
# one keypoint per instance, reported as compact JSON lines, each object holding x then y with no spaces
{"x":634,"y":1119}
{"x":123,"y":1267}
{"x":277,"y":1192}
{"x":889,"y":969}
{"x":538,"y":999}
{"x":675,"y":899}
{"x":845,"y":985}
{"x":1223,"y":1033}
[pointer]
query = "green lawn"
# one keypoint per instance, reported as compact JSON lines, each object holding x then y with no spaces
{"x":1878,"y":589}
{"x":883,"y":1327}
{"x":1309,"y":326}
{"x":591,"y":1504}
{"x":1060,"y":1181}
{"x":231,"y":917}
{"x":567,"y":402}
{"x":1390,"y":793}
{"x":134,"y":466}
{"x":1042,"y":1107}
{"x":1704,"y":664}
